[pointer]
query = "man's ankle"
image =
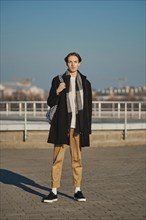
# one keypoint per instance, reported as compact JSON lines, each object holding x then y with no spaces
{"x":54,"y":190}
{"x":77,"y":189}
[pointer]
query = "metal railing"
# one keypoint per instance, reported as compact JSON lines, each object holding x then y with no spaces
{"x":100,"y":110}
{"x":117,"y":109}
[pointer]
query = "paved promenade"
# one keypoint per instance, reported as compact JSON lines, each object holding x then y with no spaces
{"x":113,"y":183}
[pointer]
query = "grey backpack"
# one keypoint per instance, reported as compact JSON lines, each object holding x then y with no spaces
{"x":51,"y":111}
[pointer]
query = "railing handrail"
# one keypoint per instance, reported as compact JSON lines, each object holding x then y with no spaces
{"x":92,"y":102}
{"x":118,"y":102}
{"x":97,"y":109}
{"x":23,"y":102}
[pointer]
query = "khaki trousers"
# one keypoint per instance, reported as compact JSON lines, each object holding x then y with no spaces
{"x":58,"y":157}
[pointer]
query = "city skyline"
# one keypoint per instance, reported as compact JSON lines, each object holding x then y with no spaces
{"x":109,"y":35}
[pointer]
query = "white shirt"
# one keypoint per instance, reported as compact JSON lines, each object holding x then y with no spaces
{"x":72,"y":98}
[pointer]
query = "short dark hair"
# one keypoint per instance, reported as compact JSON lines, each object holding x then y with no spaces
{"x":73,"y":54}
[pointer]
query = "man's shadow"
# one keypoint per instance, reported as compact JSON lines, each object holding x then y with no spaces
{"x":22,"y":182}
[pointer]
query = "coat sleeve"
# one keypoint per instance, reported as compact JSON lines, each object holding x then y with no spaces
{"x":53,"y":97}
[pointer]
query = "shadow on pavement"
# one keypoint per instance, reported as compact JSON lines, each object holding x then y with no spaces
{"x":15,"y":179}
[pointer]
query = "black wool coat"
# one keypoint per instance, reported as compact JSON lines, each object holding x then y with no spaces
{"x":59,"y":129}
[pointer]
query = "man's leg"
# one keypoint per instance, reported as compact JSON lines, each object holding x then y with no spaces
{"x":58,"y":157}
{"x":75,"y":151}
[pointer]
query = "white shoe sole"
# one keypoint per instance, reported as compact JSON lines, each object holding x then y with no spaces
{"x":80,"y":200}
{"x":50,"y":201}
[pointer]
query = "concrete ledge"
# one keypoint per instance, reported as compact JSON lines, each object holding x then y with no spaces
{"x":99,"y":138}
{"x":44,"y":126}
{"x":116,"y":138}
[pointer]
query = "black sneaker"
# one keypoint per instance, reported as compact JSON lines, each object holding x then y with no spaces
{"x":79,"y":196}
{"x":50,"y":198}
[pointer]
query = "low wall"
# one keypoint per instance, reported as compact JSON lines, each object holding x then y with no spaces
{"x":99,"y":138}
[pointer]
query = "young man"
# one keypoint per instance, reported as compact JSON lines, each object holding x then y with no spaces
{"x":71,"y":124}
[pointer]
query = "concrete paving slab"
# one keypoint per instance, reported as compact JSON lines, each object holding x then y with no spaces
{"x":113,"y":183}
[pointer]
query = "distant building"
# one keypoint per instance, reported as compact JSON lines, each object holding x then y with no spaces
{"x":35,"y":93}
{"x":125,"y":93}
{"x":31,"y":93}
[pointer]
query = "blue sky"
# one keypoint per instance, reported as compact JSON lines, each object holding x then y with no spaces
{"x":109,"y":35}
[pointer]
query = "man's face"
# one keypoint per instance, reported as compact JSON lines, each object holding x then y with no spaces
{"x":73,"y":64}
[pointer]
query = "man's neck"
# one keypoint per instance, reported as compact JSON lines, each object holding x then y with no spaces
{"x":74,"y":74}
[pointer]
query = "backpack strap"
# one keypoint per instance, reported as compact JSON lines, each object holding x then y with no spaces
{"x":61,"y":78}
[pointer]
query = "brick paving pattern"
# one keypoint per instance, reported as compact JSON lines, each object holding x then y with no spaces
{"x":113,"y":183}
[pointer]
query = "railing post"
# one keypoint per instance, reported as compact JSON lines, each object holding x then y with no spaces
{"x":132,"y":109}
{"x":20,"y":108}
{"x":42,"y":108}
{"x":118,"y":110}
{"x":7,"y":108}
{"x":34,"y":109}
{"x":99,"y":109}
{"x":125,"y":124}
{"x":139,"y":111}
{"x":113,"y":109}
{"x":25,"y":121}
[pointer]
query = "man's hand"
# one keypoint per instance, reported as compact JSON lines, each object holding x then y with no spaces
{"x":60,"y":87}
